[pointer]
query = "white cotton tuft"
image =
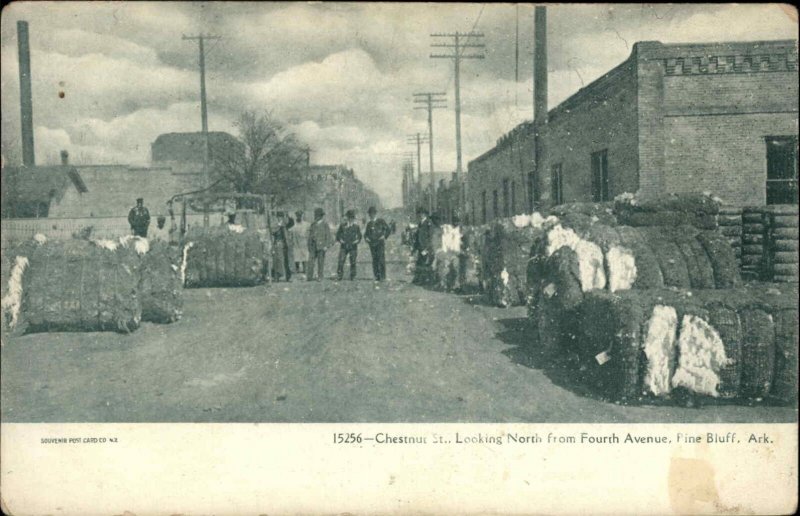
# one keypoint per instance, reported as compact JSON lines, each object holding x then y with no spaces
{"x":236,"y":228}
{"x":590,"y":256}
{"x":659,"y":345}
{"x":142,"y":246}
{"x":104,"y":243}
{"x":626,"y":197}
{"x":621,"y":268}
{"x":40,"y":239}
{"x":451,"y":238}
{"x":702,"y":357}
{"x":534,"y":220}
{"x":12,"y":301}
{"x":504,"y":276}
{"x":549,"y":290}
{"x":183,"y":262}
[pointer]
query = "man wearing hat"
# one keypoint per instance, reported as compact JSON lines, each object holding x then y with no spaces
{"x":282,"y":250}
{"x":348,"y":236}
{"x":319,"y":240}
{"x":375,"y":235}
{"x":139,"y":219}
{"x":423,"y":246}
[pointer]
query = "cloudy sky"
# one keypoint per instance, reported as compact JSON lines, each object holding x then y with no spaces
{"x":340,"y":75}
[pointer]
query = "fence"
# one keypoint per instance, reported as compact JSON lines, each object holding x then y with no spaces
{"x":20,"y":230}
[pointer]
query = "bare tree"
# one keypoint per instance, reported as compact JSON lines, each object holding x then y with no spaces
{"x":272,"y":161}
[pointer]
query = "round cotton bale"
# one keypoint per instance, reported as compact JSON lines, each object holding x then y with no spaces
{"x":562,"y":279}
{"x":727,"y":324}
{"x":785,"y":221}
{"x":784,"y":257}
{"x":720,"y":253}
{"x":786,"y":269}
{"x":648,"y":270}
{"x":729,"y":220}
{"x":669,"y":256}
{"x":752,"y":229}
{"x":751,"y":216}
{"x":784,"y":387}
{"x":731,"y":231}
{"x":752,"y":259}
{"x":780,"y":209}
{"x":781,"y":278}
{"x":752,"y":249}
{"x":785,"y":245}
{"x":701,"y":271}
{"x":752,"y":239}
{"x":785,"y":233}
{"x":758,"y":352}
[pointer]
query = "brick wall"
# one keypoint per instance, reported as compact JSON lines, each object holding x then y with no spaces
{"x":704,"y":111}
{"x":510,"y":160}
{"x":601,"y":116}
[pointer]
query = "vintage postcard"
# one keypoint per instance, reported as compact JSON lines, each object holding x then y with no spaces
{"x":392,"y":258}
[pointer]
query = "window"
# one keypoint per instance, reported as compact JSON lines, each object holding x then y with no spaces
{"x":483,"y":206}
{"x":495,"y":207}
{"x":600,"y":176}
{"x":781,"y":169}
{"x":506,"y":199}
{"x":556,"y":184}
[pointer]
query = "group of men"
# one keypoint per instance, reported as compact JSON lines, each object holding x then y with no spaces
{"x":293,"y":237}
{"x":318,"y":240}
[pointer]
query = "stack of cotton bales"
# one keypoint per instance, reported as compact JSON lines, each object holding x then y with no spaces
{"x":781,"y":243}
{"x":730,"y":225}
{"x":726,"y":343}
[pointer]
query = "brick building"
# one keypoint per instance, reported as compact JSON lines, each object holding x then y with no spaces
{"x":719,"y":117}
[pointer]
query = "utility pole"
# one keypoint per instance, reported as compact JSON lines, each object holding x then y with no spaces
{"x":458,"y":45}
{"x":418,"y":139}
{"x":204,"y":113}
{"x":430,"y":101}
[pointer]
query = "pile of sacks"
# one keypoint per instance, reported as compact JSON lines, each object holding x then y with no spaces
{"x":89,"y":285}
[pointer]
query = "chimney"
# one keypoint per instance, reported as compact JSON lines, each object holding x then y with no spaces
{"x":540,"y":65}
{"x":25,"y":97}
{"x":64,"y":158}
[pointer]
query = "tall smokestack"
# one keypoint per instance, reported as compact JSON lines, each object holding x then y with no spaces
{"x":25,"y":96}
{"x":540,"y":65}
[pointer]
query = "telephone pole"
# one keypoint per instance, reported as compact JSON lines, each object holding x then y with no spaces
{"x":430,"y":101}
{"x":418,"y":139}
{"x":203,"y":111}
{"x":459,"y":42}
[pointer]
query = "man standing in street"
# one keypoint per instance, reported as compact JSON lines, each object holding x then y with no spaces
{"x":375,"y":235}
{"x":319,"y":240}
{"x":139,"y":219}
{"x":348,"y":236}
{"x":423,"y":245}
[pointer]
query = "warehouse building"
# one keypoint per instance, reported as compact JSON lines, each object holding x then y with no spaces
{"x":719,"y":117}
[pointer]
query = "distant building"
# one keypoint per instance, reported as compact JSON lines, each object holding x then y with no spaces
{"x":335,"y":189}
{"x":719,"y":117}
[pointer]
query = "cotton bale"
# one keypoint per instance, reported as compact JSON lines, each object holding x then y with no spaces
{"x":223,"y":257}
{"x":758,"y":353}
{"x":507,"y":251}
{"x":697,"y":209}
{"x":82,"y":286}
{"x":669,"y":256}
{"x":722,"y":258}
{"x":160,"y":285}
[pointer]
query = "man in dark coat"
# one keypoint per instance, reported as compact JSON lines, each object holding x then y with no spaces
{"x":423,"y":246}
{"x":282,"y":250}
{"x":319,"y":240}
{"x":375,"y":235}
{"x":139,"y":219}
{"x":348,"y":236}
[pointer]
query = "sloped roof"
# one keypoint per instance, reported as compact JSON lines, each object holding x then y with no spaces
{"x":29,"y":185}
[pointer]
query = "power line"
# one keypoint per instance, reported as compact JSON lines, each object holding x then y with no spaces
{"x":458,"y":47}
{"x":430,"y":101}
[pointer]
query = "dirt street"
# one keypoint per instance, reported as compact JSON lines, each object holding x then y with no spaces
{"x":317,"y":352}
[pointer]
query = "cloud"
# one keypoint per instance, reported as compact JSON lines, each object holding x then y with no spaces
{"x":341,"y":75}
